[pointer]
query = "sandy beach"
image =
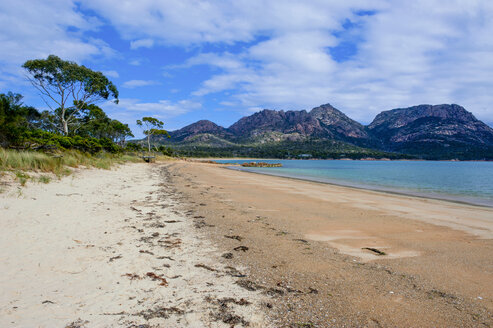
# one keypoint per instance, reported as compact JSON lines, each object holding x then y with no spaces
{"x":314,"y":249}
{"x":113,"y":249}
{"x":184,"y":244}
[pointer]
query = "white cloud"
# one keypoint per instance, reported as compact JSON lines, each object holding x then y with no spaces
{"x":35,"y":29}
{"x":161,"y":108}
{"x":138,"y":83}
{"x":113,"y":74}
{"x":135,"y":62}
{"x":190,"y":22}
{"x":409,"y":53}
{"x":142,"y":43}
{"x":128,"y":110}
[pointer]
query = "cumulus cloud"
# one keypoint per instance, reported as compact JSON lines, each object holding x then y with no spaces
{"x":142,"y":43}
{"x":280,"y":53}
{"x":113,"y":74}
{"x":165,"y":108}
{"x":138,"y":83}
{"x":36,"y":29}
{"x":135,"y":62}
{"x":130,"y":109}
{"x":191,"y":22}
{"x":406,"y":53}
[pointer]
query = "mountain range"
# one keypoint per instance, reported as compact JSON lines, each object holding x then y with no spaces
{"x":424,"y":131}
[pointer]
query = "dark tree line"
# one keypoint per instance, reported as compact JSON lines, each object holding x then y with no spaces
{"x":25,"y":127}
{"x":71,"y":91}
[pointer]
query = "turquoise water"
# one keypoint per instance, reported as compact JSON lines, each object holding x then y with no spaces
{"x":470,"y":182}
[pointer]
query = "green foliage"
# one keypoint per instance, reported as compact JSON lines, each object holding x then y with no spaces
{"x":22,"y":177}
{"x":24,"y":127}
{"x":44,"y":179}
{"x":48,"y":141}
{"x":67,"y":88}
{"x":95,"y":123}
{"x":152,"y":126}
{"x":443,"y":149}
{"x":322,"y":149}
{"x":133,"y":147}
{"x":166,"y":151}
{"x":15,"y":118}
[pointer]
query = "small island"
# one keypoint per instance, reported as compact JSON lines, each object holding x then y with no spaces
{"x":261,"y":164}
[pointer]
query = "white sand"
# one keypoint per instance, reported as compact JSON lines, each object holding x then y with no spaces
{"x":66,"y":249}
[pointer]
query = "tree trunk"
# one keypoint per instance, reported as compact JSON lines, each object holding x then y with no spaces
{"x":149,"y":143}
{"x":65,"y":127}
{"x":64,"y":121}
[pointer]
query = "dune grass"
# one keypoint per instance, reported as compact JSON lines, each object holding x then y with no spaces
{"x":58,"y":164}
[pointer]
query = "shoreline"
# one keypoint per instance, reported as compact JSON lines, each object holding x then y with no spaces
{"x":181,"y":243}
{"x":311,"y":246}
{"x":337,"y":159}
{"x":369,"y":188}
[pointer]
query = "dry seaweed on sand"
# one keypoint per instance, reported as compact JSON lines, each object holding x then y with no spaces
{"x":160,"y":312}
{"x":249,"y":285}
{"x":131,"y":276}
{"x":79,"y":323}
{"x":234,"y":272}
{"x":200,"y":265}
{"x":375,"y":250}
{"x":154,"y":276}
{"x":235,"y":237}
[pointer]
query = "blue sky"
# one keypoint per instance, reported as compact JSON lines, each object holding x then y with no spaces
{"x":186,"y":60}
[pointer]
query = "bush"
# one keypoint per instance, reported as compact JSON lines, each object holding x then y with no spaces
{"x":131,"y":146}
{"x":39,"y":139}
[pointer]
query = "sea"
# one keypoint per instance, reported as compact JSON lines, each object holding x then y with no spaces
{"x":468,"y":182}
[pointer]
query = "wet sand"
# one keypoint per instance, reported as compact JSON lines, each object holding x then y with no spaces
{"x":329,"y":256}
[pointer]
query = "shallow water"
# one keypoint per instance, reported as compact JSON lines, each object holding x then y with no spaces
{"x":470,"y":182}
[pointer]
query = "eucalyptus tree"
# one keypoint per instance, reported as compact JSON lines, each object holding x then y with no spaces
{"x":152,"y":126}
{"x":15,"y":118}
{"x":67,"y":88}
{"x":93,"y":122}
{"x":119,"y":132}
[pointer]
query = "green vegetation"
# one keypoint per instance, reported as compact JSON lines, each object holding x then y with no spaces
{"x":73,"y":133}
{"x":44,"y":179}
{"x":15,"y":160}
{"x":68,"y":89}
{"x":152,"y":126}
{"x":22,"y":177}
{"x":311,"y":148}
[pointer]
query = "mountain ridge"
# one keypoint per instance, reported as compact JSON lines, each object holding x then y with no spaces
{"x":445,"y":131}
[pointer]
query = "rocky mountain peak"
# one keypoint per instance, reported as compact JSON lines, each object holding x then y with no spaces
{"x":337,"y":122}
{"x":199,"y":127}
{"x":432,"y":129}
{"x":399,"y":117}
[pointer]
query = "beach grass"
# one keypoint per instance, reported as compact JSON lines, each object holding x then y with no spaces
{"x":44,"y":179}
{"x":59,"y":164}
